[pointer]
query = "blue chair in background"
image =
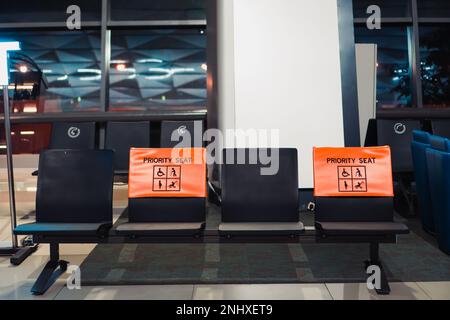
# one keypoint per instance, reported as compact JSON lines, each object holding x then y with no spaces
{"x":438,"y":162}
{"x":419,"y":146}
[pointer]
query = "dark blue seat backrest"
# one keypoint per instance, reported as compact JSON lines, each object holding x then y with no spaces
{"x":441,"y":127}
{"x":249,"y":196}
{"x":67,"y":135}
{"x":75,"y":186}
{"x":421,"y":136}
{"x":122,"y":136}
{"x":398,"y":134}
{"x":439,"y":143}
{"x":354,"y":209}
{"x":419,"y":147}
{"x":190,"y":133}
{"x":439,"y":176}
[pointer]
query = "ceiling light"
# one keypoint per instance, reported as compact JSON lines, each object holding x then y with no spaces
{"x":27,"y":133}
{"x":23,"y":69}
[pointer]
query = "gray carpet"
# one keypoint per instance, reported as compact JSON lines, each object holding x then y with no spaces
{"x":414,"y":258}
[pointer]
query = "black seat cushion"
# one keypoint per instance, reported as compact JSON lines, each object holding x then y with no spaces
{"x":75,"y":186}
{"x":249,"y":196}
{"x":122,"y":136}
{"x":63,"y":229}
{"x":361,"y":228}
{"x":179,"y":130}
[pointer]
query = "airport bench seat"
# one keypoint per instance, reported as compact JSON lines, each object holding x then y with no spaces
{"x":73,"y":199}
{"x":361,"y":228}
{"x":160,"y":229}
{"x":255,"y":204}
{"x":63,"y":229}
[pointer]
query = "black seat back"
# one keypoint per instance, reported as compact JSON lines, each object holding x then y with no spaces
{"x":248,"y":196}
{"x":75,"y":186}
{"x":179,"y":129}
{"x":122,"y":136}
{"x":67,"y":135}
{"x":398,"y":134}
{"x":371,"y":134}
{"x":441,"y":128}
{"x":166,"y":210}
{"x":354,"y":209}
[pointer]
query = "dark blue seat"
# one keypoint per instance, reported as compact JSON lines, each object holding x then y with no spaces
{"x":419,"y":146}
{"x":184,"y":134}
{"x":121,"y":137}
{"x":439,"y":143}
{"x":68,"y":135}
{"x":439,"y":178}
{"x":398,"y":134}
{"x":258,"y":204}
{"x":72,"y":135}
{"x":73,"y":202}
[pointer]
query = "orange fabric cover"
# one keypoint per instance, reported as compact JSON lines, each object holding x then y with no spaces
{"x":167,"y":173}
{"x":353,"y":172}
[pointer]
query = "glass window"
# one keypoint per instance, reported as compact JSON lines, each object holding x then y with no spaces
{"x":56,"y":71}
{"x":389,"y":8}
{"x":27,"y":138}
{"x":158,"y":10}
{"x":48,"y":10}
{"x":434,"y":8}
{"x":157,"y":68}
{"x":393,"y":72}
{"x":435,"y":65}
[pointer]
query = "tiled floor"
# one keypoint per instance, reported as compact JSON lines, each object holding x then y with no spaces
{"x":16,"y":282}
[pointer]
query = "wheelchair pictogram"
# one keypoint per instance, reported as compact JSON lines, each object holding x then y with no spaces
{"x":352,"y":179}
{"x":167,"y":178}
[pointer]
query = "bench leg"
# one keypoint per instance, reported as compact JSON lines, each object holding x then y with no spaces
{"x":384,"y":289}
{"x":51,"y":272}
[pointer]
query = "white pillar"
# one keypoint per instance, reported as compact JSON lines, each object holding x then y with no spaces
{"x":277,"y":66}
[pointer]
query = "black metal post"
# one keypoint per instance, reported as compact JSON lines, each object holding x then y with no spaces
{"x":18,"y":255}
{"x":9,"y":164}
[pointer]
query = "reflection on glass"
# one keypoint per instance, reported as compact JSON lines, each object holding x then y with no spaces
{"x":26,"y":138}
{"x":151,"y":69}
{"x":434,"y":8}
{"x":158,"y":10}
{"x":57,"y":71}
{"x":48,"y":10}
{"x":389,"y":8}
{"x":435,"y":66}
{"x":393,"y":72}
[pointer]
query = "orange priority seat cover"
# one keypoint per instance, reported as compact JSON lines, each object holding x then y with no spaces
{"x":353,"y":172}
{"x":167,"y":173}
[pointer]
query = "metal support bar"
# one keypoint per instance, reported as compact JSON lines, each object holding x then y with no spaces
{"x":18,"y":255}
{"x":374,"y":252}
{"x":9,"y":161}
{"x":51,"y":272}
{"x":384,"y":288}
{"x":105,"y":66}
{"x":414,"y":47}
